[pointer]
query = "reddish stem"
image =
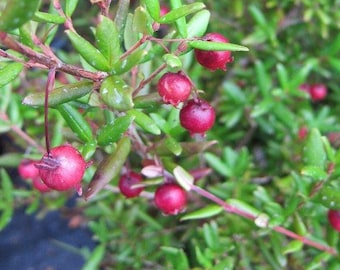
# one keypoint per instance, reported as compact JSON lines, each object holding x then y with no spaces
{"x":48,"y":89}
{"x":232,"y":209}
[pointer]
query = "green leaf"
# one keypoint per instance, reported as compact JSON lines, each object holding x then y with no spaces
{"x":6,"y":198}
{"x":141,"y":23}
{"x":173,"y":62}
{"x":131,"y":37}
{"x":91,"y":54}
{"x":109,"y":168}
{"x":198,"y":24}
{"x":16,"y":13}
{"x":116,"y":93}
{"x":112,"y":132}
{"x":48,"y":18}
{"x":10,"y":159}
{"x":329,"y":196}
{"x":264,"y":81}
{"x":95,"y":259}
{"x":126,"y":64}
{"x":314,"y":172}
{"x":144,"y":122}
{"x":107,"y":39}
{"x":217,"y":164}
{"x":181,"y":23}
{"x":70,"y":7}
{"x":173,"y":145}
{"x":176,"y":257}
{"x":283,"y":77}
{"x":180,"y":12}
{"x":9,"y":72}
{"x":59,"y":95}
{"x":216,"y":46}
{"x":76,"y":122}
{"x":314,"y":153}
{"x":184,"y":178}
{"x":244,"y":206}
{"x":206,"y":212}
{"x":121,"y":14}
{"x":153,"y":8}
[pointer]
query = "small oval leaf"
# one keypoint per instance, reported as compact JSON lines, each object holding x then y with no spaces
{"x":144,"y":122}
{"x":216,"y":46}
{"x":206,"y":212}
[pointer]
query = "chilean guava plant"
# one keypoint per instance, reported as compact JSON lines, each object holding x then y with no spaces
{"x":195,"y":135}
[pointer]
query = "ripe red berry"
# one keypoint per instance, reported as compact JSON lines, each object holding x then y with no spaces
{"x":27,"y":169}
{"x":303,"y":132}
{"x":197,"y":116}
{"x":318,"y":92}
{"x":174,"y":88}
{"x":334,"y":219}
{"x":126,"y":183}
{"x":214,"y":59}
{"x":171,"y":199}
{"x":38,"y":184}
{"x":63,"y":168}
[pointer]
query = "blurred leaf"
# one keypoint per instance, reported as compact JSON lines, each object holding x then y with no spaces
{"x":318,"y":261}
{"x":121,"y":14}
{"x":95,"y":259}
{"x":329,"y":196}
{"x":10,"y":160}
{"x":70,"y":7}
{"x":48,"y":18}
{"x":144,"y":122}
{"x":263,"y":79}
{"x":6,"y":199}
{"x":107,"y":39}
{"x":198,"y":24}
{"x":112,"y":132}
{"x":9,"y":72}
{"x":205,"y":212}
{"x":173,"y":145}
{"x":16,"y":13}
{"x":314,"y":153}
{"x":91,"y":54}
{"x":76,"y":122}
{"x":314,"y":172}
{"x":153,"y":7}
{"x":180,"y":12}
{"x":176,"y":257}
{"x":173,"y":62}
{"x":116,"y":93}
{"x":59,"y":95}
{"x":216,"y":46}
{"x":141,"y":21}
{"x":109,"y":168}
{"x":217,"y":164}
{"x":241,"y":205}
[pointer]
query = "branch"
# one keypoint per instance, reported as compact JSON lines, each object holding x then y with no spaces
{"x":49,"y":62}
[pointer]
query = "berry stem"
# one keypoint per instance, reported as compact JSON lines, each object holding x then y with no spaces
{"x":48,"y":89}
{"x":231,"y":209}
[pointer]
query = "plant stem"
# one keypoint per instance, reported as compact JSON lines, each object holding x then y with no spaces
{"x":232,"y":209}
{"x":48,"y":89}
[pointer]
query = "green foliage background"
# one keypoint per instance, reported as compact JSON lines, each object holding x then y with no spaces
{"x":258,"y":162}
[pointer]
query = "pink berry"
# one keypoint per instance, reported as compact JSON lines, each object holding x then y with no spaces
{"x":164,"y":10}
{"x":197,"y":116}
{"x":213,"y":60}
{"x":63,"y":168}
{"x":171,"y":199}
{"x":318,"y":92}
{"x":38,"y":184}
{"x":305,"y":87}
{"x":27,"y":169}
{"x":303,"y":132}
{"x":174,"y":88}
{"x":126,"y":183}
{"x":334,"y":219}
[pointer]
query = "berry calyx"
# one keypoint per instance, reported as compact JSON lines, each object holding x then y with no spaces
{"x":170,"y":198}
{"x":27,"y":169}
{"x":63,"y":168}
{"x":127,"y":182}
{"x":318,"y":92}
{"x":197,"y":116}
{"x":334,"y":219}
{"x":174,"y":88}
{"x":213,"y":60}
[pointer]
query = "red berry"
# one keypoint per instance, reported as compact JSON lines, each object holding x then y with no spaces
{"x":171,"y":199}
{"x":318,"y":92}
{"x":214,"y":59}
{"x":174,"y":88}
{"x":164,"y":10}
{"x":126,"y":183}
{"x":303,"y":132}
{"x":334,"y":219}
{"x":63,"y":168}
{"x":38,"y":184}
{"x":197,"y":116}
{"x":27,"y":169}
